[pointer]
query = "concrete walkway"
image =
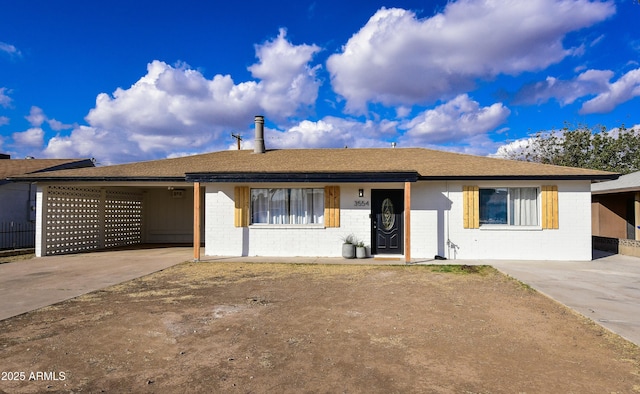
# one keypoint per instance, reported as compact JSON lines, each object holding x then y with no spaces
{"x":606,"y":290}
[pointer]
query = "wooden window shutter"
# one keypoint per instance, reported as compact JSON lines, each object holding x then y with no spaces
{"x":241,"y":211}
{"x":471,"y":206}
{"x":550,"y":207}
{"x":332,"y":206}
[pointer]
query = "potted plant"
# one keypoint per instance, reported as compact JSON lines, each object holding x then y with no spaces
{"x":361,"y":250}
{"x":349,"y":246}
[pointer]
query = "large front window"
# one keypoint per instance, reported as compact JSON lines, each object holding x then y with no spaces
{"x":287,"y":206}
{"x":509,"y":206}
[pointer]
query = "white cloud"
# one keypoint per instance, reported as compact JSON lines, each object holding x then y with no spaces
{"x":87,"y":142}
{"x":286,"y":77}
{"x":57,"y":125}
{"x":566,"y":92}
{"x":4,"y":120}
{"x":460,"y":120}
{"x":397,"y":58}
{"x":514,"y":149}
{"x":5,"y":100}
{"x":32,"y":138}
{"x":178,"y":109}
{"x":624,"y":89}
{"x":154,"y":143}
{"x":36,"y":117}
{"x":332,"y":132}
{"x":10,"y":49}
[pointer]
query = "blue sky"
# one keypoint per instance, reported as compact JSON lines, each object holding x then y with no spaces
{"x":139,"y":80}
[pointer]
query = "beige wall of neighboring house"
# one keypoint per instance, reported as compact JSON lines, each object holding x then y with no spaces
{"x":610,"y":215}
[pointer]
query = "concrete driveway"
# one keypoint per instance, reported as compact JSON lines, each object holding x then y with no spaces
{"x":31,"y":284}
{"x":606,"y":289}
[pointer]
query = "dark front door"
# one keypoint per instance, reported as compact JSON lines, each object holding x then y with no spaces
{"x":387,"y":214}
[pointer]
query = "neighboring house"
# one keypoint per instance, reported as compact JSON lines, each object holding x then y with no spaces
{"x":403,"y":203}
{"x":615,"y":214}
{"x":18,"y":200}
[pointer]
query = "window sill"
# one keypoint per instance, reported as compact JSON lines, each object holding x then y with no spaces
{"x":503,"y":227}
{"x":287,"y":226}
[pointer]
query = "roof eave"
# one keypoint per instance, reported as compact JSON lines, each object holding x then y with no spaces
{"x":338,"y":177}
{"x":571,"y":177}
{"x":96,"y":179}
{"x":630,"y":189}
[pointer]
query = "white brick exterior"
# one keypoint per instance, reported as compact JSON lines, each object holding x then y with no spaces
{"x":572,"y":241}
{"x":222,"y":238}
{"x":436,"y":225}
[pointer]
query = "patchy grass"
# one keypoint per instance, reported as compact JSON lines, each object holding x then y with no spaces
{"x":462,"y":269}
{"x":20,"y":257}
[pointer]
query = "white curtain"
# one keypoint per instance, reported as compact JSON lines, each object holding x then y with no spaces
{"x":260,"y":206}
{"x":318,"y":206}
{"x":524,"y":206}
{"x":278,"y":202}
{"x":306,"y":206}
{"x":298,"y":208}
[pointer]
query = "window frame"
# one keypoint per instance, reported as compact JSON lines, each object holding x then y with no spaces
{"x":288,"y":191}
{"x":509,"y":213}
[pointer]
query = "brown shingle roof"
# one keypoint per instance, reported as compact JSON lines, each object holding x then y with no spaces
{"x":427,"y":163}
{"x":13,"y":167}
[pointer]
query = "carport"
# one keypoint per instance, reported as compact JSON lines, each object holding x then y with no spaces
{"x":80,"y":218}
{"x":142,"y":203}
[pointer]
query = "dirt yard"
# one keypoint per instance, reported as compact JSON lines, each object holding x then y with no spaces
{"x":266,"y":328}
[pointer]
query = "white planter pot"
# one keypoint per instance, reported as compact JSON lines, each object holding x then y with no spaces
{"x":348,"y":251}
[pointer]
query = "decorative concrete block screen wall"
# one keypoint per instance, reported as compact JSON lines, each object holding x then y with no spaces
{"x":123,"y":218}
{"x":77,"y":219}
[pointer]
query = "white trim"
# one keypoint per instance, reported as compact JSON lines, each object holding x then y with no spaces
{"x":319,"y":226}
{"x":506,"y":227}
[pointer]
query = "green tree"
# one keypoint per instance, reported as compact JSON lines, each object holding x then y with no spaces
{"x":617,"y":150}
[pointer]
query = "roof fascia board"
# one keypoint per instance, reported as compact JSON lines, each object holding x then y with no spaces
{"x":339,"y":177}
{"x":616,"y":191}
{"x":125,"y":179}
{"x":519,"y":177}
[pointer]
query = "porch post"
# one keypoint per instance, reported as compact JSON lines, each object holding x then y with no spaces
{"x":196,"y":221}
{"x":41,"y":221}
{"x":637,"y":212}
{"x":407,"y":222}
